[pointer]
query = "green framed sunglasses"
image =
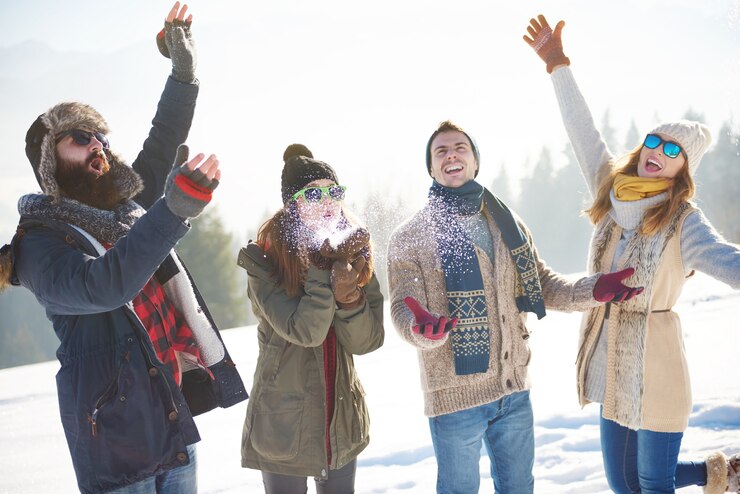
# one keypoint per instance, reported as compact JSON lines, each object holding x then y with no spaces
{"x":316,"y":194}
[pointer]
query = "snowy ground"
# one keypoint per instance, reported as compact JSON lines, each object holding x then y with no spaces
{"x":34,"y":456}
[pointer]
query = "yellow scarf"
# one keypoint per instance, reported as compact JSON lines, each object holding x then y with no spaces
{"x":631,"y":188}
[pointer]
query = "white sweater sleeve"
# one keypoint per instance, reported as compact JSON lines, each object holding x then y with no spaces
{"x":591,"y":150}
{"x":705,"y":250}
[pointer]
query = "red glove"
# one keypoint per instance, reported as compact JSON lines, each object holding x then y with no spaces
{"x":428,"y":325}
{"x":609,"y":287}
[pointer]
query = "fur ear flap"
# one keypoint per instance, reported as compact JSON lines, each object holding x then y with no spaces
{"x":6,"y":267}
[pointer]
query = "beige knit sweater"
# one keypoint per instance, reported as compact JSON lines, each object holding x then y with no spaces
{"x":415,"y":270}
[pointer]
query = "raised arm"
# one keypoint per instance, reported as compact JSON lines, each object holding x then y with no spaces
{"x":171,"y":123}
{"x":590,"y":148}
{"x":705,"y":250}
{"x":67,"y":280}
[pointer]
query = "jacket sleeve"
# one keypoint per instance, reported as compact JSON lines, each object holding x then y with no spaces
{"x":67,"y":281}
{"x":405,"y":279}
{"x":170,"y":128}
{"x":705,"y":250}
{"x":360,"y":330}
{"x":560,"y":292}
{"x":590,"y":148}
{"x":301,"y":320}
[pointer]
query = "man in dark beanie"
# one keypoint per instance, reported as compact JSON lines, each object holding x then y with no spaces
{"x":463,"y":273}
{"x":140,"y":354}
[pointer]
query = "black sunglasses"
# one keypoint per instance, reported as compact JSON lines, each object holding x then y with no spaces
{"x":83,"y":137}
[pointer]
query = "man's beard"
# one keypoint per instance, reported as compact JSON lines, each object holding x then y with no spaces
{"x":78,"y":183}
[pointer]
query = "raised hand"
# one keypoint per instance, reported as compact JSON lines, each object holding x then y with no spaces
{"x":547,"y":43}
{"x":609,"y":287}
{"x":190,"y":184}
{"x":176,"y":43}
{"x":428,"y":325}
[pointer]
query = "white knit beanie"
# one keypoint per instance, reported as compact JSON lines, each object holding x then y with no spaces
{"x":694,"y":138}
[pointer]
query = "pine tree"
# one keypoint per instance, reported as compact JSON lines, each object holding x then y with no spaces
{"x":210,"y":252}
{"x":501,"y":187}
{"x":717,"y":179}
{"x":609,"y":134}
{"x":633,"y":137}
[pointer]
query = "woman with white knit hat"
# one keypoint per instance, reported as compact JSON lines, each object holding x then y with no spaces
{"x":631,"y":356}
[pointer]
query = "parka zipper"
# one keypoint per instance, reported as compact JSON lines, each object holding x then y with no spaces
{"x":105,"y":398}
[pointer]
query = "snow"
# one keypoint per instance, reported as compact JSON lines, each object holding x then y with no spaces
{"x":34,"y":456}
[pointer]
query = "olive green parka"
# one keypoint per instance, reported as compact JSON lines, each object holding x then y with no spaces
{"x":284,"y":430}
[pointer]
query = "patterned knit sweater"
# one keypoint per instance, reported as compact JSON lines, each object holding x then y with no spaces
{"x":415,"y":270}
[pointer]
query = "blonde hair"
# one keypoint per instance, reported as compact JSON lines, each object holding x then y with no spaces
{"x":656,"y":217}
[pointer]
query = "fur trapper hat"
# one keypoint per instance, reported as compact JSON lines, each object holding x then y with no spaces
{"x":694,"y":138}
{"x":301,"y":169}
{"x":41,"y":147}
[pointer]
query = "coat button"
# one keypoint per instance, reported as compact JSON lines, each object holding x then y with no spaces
{"x":508,"y":383}
{"x":182,"y":457}
{"x":153,"y":371}
{"x":506,"y":355}
{"x":525,"y":336}
{"x":172,"y":416}
{"x":503,"y":317}
{"x":122,"y":398}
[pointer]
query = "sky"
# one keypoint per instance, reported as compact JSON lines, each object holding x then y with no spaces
{"x":362,"y":85}
{"x":400,"y":458}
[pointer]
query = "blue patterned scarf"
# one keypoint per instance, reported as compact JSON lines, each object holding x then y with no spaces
{"x":463,"y":279}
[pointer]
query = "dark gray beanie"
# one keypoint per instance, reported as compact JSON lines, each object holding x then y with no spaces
{"x":301,"y":169}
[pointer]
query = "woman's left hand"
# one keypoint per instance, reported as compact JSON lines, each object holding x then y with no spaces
{"x":344,"y":277}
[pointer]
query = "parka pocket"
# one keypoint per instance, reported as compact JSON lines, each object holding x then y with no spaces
{"x":277,"y":425}
{"x":361,"y":424}
{"x":110,"y":392}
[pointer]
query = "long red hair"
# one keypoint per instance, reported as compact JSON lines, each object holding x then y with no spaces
{"x":656,"y":217}
{"x":283,"y":237}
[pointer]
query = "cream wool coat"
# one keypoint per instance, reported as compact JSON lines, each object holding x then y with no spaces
{"x":415,"y":270}
{"x":647,"y":377}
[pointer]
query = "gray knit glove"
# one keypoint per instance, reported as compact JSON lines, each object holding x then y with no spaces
{"x":187,"y":192}
{"x":175,"y":42}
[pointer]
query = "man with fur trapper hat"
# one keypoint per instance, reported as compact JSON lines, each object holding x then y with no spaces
{"x":463,"y":273}
{"x":140,"y":355}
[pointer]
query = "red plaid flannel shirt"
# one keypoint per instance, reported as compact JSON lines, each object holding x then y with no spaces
{"x":330,"y":375}
{"x":166,"y":327}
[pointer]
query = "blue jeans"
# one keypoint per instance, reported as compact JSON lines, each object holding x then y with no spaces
{"x":505,"y":426}
{"x":646,"y":462}
{"x":180,"y":480}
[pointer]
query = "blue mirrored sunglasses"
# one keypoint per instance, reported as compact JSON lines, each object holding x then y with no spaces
{"x":316,"y":194}
{"x":83,"y":137}
{"x":670,"y":148}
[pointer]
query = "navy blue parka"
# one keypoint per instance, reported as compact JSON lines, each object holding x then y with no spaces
{"x":124,"y":417}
